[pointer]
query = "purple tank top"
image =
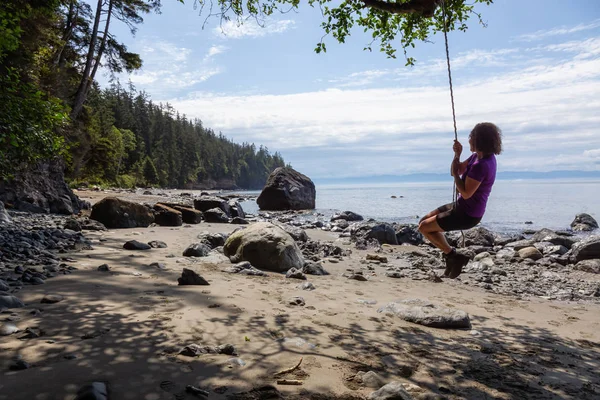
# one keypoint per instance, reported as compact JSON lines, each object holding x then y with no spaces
{"x":484,"y":171}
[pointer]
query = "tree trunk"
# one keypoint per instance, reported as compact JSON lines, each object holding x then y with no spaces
{"x":81,"y":94}
{"x":69,"y":28}
{"x":102,"y":46}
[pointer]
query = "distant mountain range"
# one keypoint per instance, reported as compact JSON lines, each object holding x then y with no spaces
{"x":429,"y":177}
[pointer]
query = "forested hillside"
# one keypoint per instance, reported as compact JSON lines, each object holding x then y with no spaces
{"x":51,"y":105}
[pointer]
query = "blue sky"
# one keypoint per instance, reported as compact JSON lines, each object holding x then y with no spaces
{"x":534,"y":71}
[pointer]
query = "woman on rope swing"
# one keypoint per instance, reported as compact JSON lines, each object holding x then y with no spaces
{"x":474,"y":179}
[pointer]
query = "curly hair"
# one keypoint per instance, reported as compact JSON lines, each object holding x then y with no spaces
{"x":487,"y":138}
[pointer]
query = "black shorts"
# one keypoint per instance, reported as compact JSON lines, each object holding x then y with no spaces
{"x":450,"y":219}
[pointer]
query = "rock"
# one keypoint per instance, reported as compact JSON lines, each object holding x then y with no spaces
{"x":104,"y":268}
{"x":370,"y":379}
{"x":584,"y":222}
{"x":298,"y":234}
{"x":589,"y":248}
{"x":91,"y":225}
{"x":503,"y":240}
{"x":52,"y":298}
{"x":428,"y":314}
{"x":408,"y":233}
{"x":216,"y":215}
{"x":10,"y":302}
{"x":19,"y":365}
{"x":157,"y":244}
{"x":239,"y":221}
{"x":8,"y":328}
{"x":555,"y":250}
{"x":236,"y":209}
{"x":382,"y":232}
{"x":376,"y":257}
{"x":117,"y":213}
{"x":189,"y":215}
{"x":93,"y":391}
{"x":158,"y":265}
{"x":531,"y":253}
{"x":307,"y":286}
{"x":478,"y":236}
{"x":245,"y":268}
{"x":296,"y":301}
{"x":547,"y":235}
{"x":348,"y":216}
{"x":4,"y":217}
{"x":189,"y":277}
{"x":520,"y":244}
{"x":287,"y":189}
{"x":73,"y":225}
{"x":167,"y":216}
{"x":357,"y":277}
{"x":196,"y":250}
{"x":135,"y":245}
{"x":265,"y":246}
{"x":41,"y":188}
{"x":205,"y":203}
{"x":592,"y":266}
{"x":313,"y":268}
{"x":4,"y":286}
{"x":391,"y":391}
{"x":294,"y":273}
{"x":213,"y":240}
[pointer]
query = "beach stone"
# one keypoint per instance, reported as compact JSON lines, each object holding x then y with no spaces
{"x":531,"y":253}
{"x":584,"y":222}
{"x":88,"y":224}
{"x":213,"y":240}
{"x":189,"y":215}
{"x":294,"y":273}
{"x":313,"y":268}
{"x":382,"y":232}
{"x":428,"y":314}
{"x":239,"y":221}
{"x":408,"y":233}
{"x":296,"y":301}
{"x":205,"y":203}
{"x":588,"y":248}
{"x":135,"y":245}
{"x":348,"y":216}
{"x":298,"y":234}
{"x":93,"y":391}
{"x":236,"y":209}
{"x":73,"y":225}
{"x":519,"y":244}
{"x":548,"y":235}
{"x":592,"y":266}
{"x":158,"y":265}
{"x":307,"y":286}
{"x":52,"y":298}
{"x":357,"y":277}
{"x":197,"y":250}
{"x":167,"y":216}
{"x":216,"y":215}
{"x":478,"y":236}
{"x":117,"y":213}
{"x":376,"y":257}
{"x":104,"y":268}
{"x":555,"y":249}
{"x":265,"y":246}
{"x":4,"y":217}
{"x":8,"y":328}
{"x":4,"y":286}
{"x":287,"y":189}
{"x":157,"y":244}
{"x":10,"y":302}
{"x":189,"y":277}
{"x":370,"y":379}
{"x":504,"y":239}
{"x":245,"y":268}
{"x":391,"y":391}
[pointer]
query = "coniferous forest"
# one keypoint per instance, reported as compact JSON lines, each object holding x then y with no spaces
{"x":52,"y":106}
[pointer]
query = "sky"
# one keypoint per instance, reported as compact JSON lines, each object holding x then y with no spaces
{"x":534,"y":71}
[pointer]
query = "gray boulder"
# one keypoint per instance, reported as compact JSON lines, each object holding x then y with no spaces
{"x":213,"y":240}
{"x":391,"y":391}
{"x":298,"y":234}
{"x":216,"y":215}
{"x":236,"y":209}
{"x":531,"y":253}
{"x":586,"y":249}
{"x":478,"y":236}
{"x":205,"y":203}
{"x":408,"y":233}
{"x":382,"y":232}
{"x":428,"y":314}
{"x":135,"y":245}
{"x":265,"y":246}
{"x":548,"y":235}
{"x":584,"y":222}
{"x":287,"y":189}
{"x":197,"y":250}
{"x":167,"y":216}
{"x":592,"y":266}
{"x":10,"y":302}
{"x":348,"y":216}
{"x":117,"y":213}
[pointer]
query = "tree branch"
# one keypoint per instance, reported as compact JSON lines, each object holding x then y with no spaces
{"x":423,"y":7}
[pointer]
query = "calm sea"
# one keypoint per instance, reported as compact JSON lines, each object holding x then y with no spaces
{"x":546,"y":203}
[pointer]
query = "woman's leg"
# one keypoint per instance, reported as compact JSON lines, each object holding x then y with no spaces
{"x":438,"y":210}
{"x":434,"y":233}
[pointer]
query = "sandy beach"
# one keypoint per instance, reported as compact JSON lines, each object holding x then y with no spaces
{"x":126,"y":327}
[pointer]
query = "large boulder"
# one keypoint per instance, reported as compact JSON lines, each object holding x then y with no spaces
{"x":428,"y":314}
{"x":189,"y":215}
{"x":408,"y":233}
{"x":380,"y":231}
{"x":295,"y":232}
{"x":216,"y":215}
{"x":548,"y":235}
{"x":236,"y":209}
{"x":117,"y":213}
{"x":287,"y":189}
{"x":167,"y":216}
{"x":205,"y":203}
{"x":265,"y":246}
{"x":478,"y":236}
{"x":4,"y":217}
{"x":347,"y":216}
{"x":586,"y":249}
{"x":584,"y":222}
{"x":41,"y":188}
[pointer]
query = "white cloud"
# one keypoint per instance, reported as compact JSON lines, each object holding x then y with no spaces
{"x":214,"y":50}
{"x":563,"y":30}
{"x":251,"y":28}
{"x":593,"y":154}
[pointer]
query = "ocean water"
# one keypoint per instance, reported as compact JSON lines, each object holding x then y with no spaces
{"x":546,"y":203}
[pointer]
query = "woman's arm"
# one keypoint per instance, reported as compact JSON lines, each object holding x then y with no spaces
{"x":462,"y":167}
{"x":467,"y":187}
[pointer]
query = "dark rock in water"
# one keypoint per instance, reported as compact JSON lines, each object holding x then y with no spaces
{"x":298,"y":234}
{"x":157,"y":244}
{"x":348,"y":216}
{"x":408,"y":233}
{"x":41,"y":189}
{"x":287,"y":189}
{"x":382,"y":232}
{"x":117,"y":213}
{"x":425,"y":313}
{"x":216,"y":215}
{"x":135,"y":245}
{"x":236,"y":209}
{"x":93,"y":391}
{"x":52,"y":298}
{"x":586,"y":249}
{"x":213,"y":240}
{"x":391,"y":391}
{"x":4,"y":217}
{"x":10,"y":302}
{"x":294,"y":273}
{"x":189,"y":277}
{"x":312,"y":268}
{"x":205,"y":203}
{"x":167,"y":216}
{"x":584,"y":222}
{"x":73,"y":225}
{"x":196,"y":250}
{"x":104,"y":268}
{"x":239,"y":221}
